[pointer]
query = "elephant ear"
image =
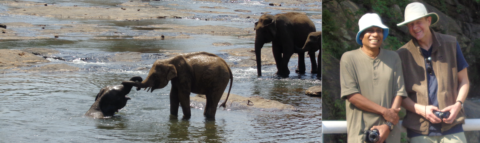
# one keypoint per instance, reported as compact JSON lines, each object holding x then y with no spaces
{"x":172,"y":72}
{"x":270,"y":26}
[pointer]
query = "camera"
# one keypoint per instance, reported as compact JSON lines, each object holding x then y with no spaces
{"x":441,"y":114}
{"x":372,"y":136}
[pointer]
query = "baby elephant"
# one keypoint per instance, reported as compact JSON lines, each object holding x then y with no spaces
{"x":110,"y":99}
{"x":201,"y":73}
{"x":314,"y":43}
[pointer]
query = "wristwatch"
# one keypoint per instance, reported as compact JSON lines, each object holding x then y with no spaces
{"x":390,"y":125}
{"x":460,"y":102}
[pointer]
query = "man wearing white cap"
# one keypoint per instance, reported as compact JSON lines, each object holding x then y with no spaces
{"x":436,"y":79}
{"x":372,"y":83}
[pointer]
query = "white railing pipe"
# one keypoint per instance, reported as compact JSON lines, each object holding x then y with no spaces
{"x":340,"y":127}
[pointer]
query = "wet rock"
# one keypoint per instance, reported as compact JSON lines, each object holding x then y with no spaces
{"x":41,"y":51}
{"x":315,"y":17}
{"x":15,"y":58}
{"x":54,"y":68}
{"x":162,"y":37}
{"x":275,"y":4}
{"x":241,"y":10}
{"x":314,"y":91}
{"x":214,"y":7}
{"x":143,"y":68}
{"x":241,"y":102}
{"x":292,"y":2}
{"x":205,"y":29}
{"x":222,"y":44}
{"x":128,"y":57}
{"x":128,"y":10}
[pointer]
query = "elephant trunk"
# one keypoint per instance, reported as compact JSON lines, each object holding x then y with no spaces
{"x":258,"y":54}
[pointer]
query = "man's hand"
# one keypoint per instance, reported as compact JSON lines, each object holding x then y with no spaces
{"x":430,"y":116}
{"x":391,"y":115}
{"x":383,"y":132}
{"x":453,"y":109}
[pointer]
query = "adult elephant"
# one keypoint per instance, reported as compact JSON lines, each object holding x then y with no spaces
{"x":201,"y":73}
{"x":110,"y":99}
{"x":313,"y":44}
{"x":286,"y":31}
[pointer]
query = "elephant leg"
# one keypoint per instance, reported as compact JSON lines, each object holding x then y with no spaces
{"x":215,"y":95}
{"x":174,"y":102}
{"x":212,"y":103}
{"x":184,"y":97}
{"x":301,"y":63}
{"x":285,"y":60}
{"x":312,"y":60}
{"x":319,"y":67}
{"x":277,"y":55}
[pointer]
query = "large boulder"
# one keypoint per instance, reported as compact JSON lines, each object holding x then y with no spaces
{"x":240,"y":102}
{"x":16,"y":58}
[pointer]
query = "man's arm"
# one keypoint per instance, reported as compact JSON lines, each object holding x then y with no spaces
{"x":425,"y":111}
{"x":463,"y":87}
{"x":364,"y":104}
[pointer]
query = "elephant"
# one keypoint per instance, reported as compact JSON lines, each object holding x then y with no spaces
{"x":200,"y":73}
{"x":314,"y":43}
{"x":287,"y":32}
{"x":110,"y":99}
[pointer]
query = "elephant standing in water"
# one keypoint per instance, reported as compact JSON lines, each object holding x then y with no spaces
{"x":287,"y":32}
{"x":110,"y":99}
{"x":201,"y":73}
{"x":314,"y":43}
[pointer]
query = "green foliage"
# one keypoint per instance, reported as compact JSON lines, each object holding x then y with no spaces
{"x":392,"y":43}
{"x":404,"y":138}
{"x":474,"y":62}
{"x":336,"y":107}
{"x":330,"y":42}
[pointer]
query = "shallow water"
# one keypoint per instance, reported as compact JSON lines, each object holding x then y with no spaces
{"x":49,"y":107}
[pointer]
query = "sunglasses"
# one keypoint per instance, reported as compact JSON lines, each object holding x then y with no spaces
{"x":429,"y":65}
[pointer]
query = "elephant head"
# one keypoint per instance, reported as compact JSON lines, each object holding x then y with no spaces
{"x":110,"y":99}
{"x":314,"y":42}
{"x":265,"y":32}
{"x":158,"y":77}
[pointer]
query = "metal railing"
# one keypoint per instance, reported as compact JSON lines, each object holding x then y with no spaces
{"x":340,"y":127}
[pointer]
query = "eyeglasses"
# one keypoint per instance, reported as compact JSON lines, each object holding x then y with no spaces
{"x":429,"y":65}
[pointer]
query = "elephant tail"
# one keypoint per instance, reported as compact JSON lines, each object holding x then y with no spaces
{"x":228,"y":94}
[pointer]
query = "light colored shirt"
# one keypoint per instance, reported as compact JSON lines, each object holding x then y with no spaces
{"x":379,"y":80}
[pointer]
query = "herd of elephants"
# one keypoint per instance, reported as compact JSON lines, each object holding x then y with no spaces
{"x":206,"y":73}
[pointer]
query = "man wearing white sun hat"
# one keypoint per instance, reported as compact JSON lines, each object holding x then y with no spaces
{"x":371,"y":82}
{"x":436,"y":79}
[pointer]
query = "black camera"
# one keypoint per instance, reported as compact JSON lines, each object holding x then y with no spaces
{"x":372,"y":136}
{"x":441,"y":114}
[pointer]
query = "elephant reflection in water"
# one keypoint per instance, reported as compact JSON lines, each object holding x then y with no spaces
{"x":179,"y":130}
{"x":287,"y":32}
{"x":110,"y":99}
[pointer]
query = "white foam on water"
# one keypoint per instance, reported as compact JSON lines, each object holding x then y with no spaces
{"x":79,"y":61}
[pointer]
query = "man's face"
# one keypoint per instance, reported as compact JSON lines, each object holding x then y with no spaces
{"x":419,"y":27}
{"x":372,"y":37}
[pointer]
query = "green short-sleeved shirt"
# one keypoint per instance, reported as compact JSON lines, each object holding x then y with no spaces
{"x":378,"y":79}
